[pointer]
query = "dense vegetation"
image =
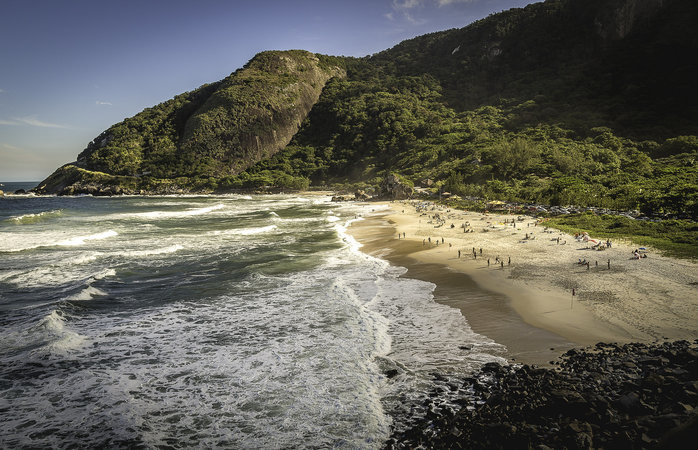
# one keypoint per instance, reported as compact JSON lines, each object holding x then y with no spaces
{"x":534,"y":105}
{"x":561,"y":102}
{"x":674,"y":237}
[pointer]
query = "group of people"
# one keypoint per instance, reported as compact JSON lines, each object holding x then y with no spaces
{"x":637,"y":254}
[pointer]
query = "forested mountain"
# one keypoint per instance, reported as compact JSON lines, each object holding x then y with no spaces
{"x":568,"y":101}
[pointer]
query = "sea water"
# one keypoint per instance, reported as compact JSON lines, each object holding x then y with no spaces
{"x":211,"y":321}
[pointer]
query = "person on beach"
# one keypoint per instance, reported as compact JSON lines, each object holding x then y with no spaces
{"x":609,"y":264}
{"x":509,"y":262}
{"x":488,"y":262}
{"x":458,"y":254}
{"x":502,"y":264}
{"x":480,"y":251}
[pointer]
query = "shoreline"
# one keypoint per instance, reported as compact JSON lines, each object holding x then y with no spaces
{"x":527,"y":304}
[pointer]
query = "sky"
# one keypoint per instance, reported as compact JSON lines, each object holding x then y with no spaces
{"x":69,"y":69}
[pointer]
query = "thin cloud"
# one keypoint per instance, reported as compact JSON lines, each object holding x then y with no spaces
{"x":34,"y":122}
{"x":406,"y":8}
{"x":8,"y":146}
{"x":31,"y":121}
{"x":406,"y":4}
{"x":103,"y":103}
{"x":450,"y":2}
{"x":2,"y":90}
{"x":410,"y":9}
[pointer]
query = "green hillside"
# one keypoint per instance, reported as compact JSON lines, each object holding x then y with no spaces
{"x":561,"y":102}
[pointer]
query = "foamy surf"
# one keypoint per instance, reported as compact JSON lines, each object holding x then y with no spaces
{"x":50,"y":336}
{"x":245,"y":231}
{"x":81,"y":240}
{"x":152,"y":252}
{"x":244,"y":323}
{"x":87,"y":294}
{"x":178,"y":214}
{"x":36,"y":217}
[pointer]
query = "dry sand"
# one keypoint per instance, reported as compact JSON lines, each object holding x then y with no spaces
{"x":528,"y":305}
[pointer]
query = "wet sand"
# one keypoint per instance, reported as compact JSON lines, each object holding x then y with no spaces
{"x":487,"y":312}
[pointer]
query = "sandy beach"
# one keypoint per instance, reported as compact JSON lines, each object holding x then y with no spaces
{"x":533,"y":296}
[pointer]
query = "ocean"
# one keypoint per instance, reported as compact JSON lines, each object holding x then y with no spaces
{"x":212,"y":321}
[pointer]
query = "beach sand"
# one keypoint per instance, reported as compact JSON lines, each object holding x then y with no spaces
{"x":528,"y":304}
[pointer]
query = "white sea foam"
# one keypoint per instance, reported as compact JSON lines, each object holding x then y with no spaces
{"x":19,"y":242}
{"x":85,"y":258}
{"x":175,"y":214}
{"x":36,"y":217}
{"x":87,"y":294}
{"x":52,"y":322}
{"x":245,"y":231}
{"x":80,"y":240}
{"x":104,"y":274}
{"x":153,"y":251}
{"x":273,"y":360}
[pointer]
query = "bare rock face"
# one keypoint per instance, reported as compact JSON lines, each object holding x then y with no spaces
{"x":395,"y":189}
{"x":256,"y":111}
{"x":622,"y":16}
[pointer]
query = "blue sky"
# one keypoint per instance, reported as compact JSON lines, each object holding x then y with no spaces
{"x":70,"y":68}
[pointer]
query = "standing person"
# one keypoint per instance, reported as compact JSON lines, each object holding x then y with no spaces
{"x":509,"y":262}
{"x":458,"y":254}
{"x":609,"y":264}
{"x":480,"y":251}
{"x":488,"y":262}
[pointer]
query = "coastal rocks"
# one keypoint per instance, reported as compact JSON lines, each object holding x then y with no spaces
{"x":608,"y":396}
{"x":395,"y":189}
{"x":359,"y":195}
{"x":342,"y":198}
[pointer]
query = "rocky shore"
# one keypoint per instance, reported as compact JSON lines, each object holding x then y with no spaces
{"x":606,"y":396}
